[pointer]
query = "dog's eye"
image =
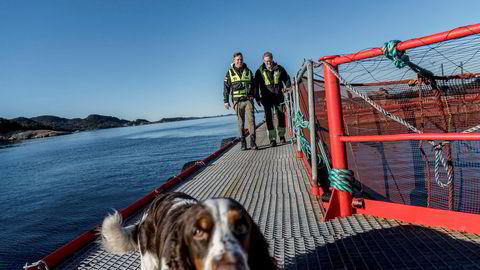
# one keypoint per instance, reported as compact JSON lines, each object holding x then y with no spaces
{"x":199,"y":234}
{"x":241,"y":228}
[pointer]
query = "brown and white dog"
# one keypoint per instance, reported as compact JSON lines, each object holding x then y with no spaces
{"x":179,"y":232}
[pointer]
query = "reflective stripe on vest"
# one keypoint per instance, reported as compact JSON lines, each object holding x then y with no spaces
{"x":276,"y":77}
{"x":239,"y":93}
{"x":245,"y":80}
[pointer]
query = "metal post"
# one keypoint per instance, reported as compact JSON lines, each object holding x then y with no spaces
{"x":311,"y":122}
{"x":441,"y":67}
{"x":293,"y":107}
{"x":299,"y":153}
{"x":290,"y":113}
{"x":287,"y":112}
{"x":341,"y":201}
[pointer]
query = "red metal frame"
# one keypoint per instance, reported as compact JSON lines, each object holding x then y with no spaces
{"x":419,"y":137}
{"x":410,"y":44}
{"x":339,"y":153}
{"x":421,"y":215}
{"x":58,"y":256}
{"x":339,"y":201}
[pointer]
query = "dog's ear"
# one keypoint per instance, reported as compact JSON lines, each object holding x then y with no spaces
{"x":178,"y":258}
{"x":258,"y":256}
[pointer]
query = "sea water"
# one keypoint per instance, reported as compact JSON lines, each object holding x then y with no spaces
{"x":53,"y":189}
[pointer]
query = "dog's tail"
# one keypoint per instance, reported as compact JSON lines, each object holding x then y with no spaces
{"x":118,"y":239}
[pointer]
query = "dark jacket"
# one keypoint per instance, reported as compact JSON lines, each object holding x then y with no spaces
{"x":272,"y":92}
{"x":229,"y":87}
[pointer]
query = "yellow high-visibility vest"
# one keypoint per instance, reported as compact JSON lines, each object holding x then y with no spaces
{"x":276,"y":76}
{"x":245,"y":80}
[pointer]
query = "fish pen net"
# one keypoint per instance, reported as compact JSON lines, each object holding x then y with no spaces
{"x":428,"y":89}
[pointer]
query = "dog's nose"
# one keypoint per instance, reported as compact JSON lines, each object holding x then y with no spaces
{"x":229,"y":261}
{"x":227,"y":257}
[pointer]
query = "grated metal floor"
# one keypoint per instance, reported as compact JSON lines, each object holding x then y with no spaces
{"x":273,"y":187}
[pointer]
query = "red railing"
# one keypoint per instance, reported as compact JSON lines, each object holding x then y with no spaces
{"x":341,"y":202}
{"x":409,"y":44}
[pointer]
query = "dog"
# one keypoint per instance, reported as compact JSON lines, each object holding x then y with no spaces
{"x":177,"y":232}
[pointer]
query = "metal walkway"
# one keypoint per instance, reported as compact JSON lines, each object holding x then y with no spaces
{"x":273,"y":187}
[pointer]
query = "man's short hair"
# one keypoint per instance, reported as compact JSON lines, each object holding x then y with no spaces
{"x":235,"y":54}
{"x":268,"y":54}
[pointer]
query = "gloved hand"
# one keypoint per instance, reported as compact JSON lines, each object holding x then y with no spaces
{"x":226,"y":105}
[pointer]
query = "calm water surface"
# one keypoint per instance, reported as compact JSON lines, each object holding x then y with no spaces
{"x":55,"y":188}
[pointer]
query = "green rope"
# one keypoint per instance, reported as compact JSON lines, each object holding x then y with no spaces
{"x":400,"y":58}
{"x":300,"y":124}
{"x":325,"y":158}
{"x":341,"y":179}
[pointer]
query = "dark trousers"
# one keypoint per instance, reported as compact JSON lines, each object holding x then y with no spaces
{"x":280,"y":116}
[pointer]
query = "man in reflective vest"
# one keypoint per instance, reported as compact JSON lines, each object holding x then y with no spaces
{"x":240,"y":84}
{"x":271,"y":78}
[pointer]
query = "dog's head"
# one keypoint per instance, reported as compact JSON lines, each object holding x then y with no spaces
{"x":219,"y":234}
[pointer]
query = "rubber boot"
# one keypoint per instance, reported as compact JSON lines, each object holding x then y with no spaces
{"x":253,"y":145}
{"x":273,"y":143}
{"x":282,"y":140}
{"x":244,"y":144}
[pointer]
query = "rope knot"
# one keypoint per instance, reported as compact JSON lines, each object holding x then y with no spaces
{"x":399,"y":57}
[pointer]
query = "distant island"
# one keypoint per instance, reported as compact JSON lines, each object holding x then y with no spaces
{"x":23,"y":128}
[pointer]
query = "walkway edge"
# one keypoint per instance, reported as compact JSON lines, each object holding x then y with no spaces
{"x":61,"y":254}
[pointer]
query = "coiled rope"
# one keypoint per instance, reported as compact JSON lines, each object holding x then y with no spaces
{"x":341,"y":179}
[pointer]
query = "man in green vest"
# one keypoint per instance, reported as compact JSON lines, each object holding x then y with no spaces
{"x":271,"y":79}
{"x":240,"y":84}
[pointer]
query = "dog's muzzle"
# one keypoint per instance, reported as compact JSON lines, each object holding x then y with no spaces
{"x":229,"y":261}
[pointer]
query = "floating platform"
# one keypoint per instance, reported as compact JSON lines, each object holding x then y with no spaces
{"x":273,"y":186}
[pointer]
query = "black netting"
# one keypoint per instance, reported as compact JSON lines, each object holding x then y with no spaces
{"x":404,"y":172}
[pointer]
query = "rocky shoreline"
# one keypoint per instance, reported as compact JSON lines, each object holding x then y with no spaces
{"x":30,"y":134}
{"x":22,"y":128}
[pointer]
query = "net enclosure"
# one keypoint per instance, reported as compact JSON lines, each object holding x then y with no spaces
{"x":431,"y":88}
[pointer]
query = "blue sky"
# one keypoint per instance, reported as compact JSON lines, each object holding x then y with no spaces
{"x":155,"y":59}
